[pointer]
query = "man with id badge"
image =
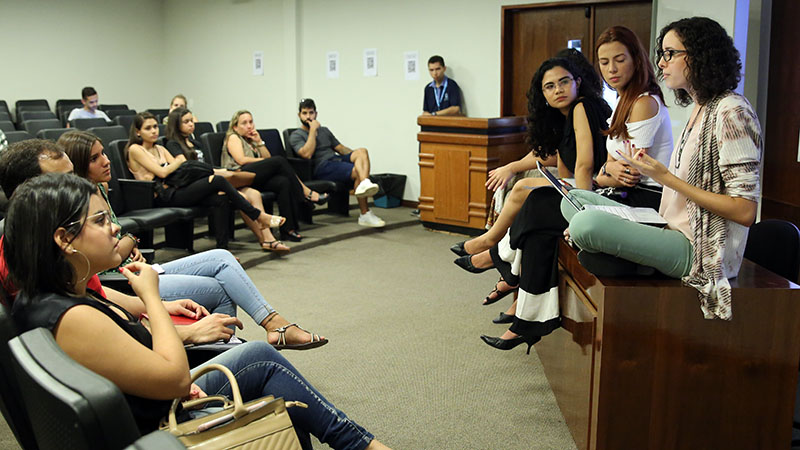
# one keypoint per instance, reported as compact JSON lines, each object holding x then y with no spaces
{"x":442,"y":95}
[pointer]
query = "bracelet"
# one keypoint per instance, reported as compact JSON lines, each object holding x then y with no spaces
{"x":603,"y":169}
{"x":261,"y":144}
{"x":132,"y":237}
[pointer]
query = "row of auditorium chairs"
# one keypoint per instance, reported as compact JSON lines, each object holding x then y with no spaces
{"x":40,"y":109}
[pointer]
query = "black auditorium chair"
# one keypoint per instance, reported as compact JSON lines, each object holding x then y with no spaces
{"x":162,"y":129}
{"x":212,"y":143}
{"x":68,"y":405}
{"x":31,"y":115}
{"x":6,"y":126}
{"x":339,"y":202}
{"x":85,"y":124}
{"x":5,"y":116}
{"x":109,"y":134}
{"x":65,"y":107}
{"x":120,"y":112}
{"x":33,"y":126}
{"x":107,"y":108}
{"x":39,"y":103}
{"x":303,"y":169}
{"x":158,"y":112}
{"x":222,"y":126}
{"x":12,"y":404}
{"x":775,"y":245}
{"x":201,"y":128}
{"x":17,"y":136}
{"x":4,"y":107}
{"x":52,"y":133}
{"x":212,"y":152}
{"x":134,"y":199}
{"x":125,"y":121}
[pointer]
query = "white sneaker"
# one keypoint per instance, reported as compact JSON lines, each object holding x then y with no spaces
{"x":370,"y":220}
{"x":366,"y":188}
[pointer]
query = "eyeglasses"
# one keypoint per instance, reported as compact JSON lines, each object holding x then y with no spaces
{"x":101,"y":218}
{"x":667,"y":55}
{"x":562,"y":83}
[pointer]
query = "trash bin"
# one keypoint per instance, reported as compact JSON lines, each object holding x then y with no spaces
{"x":391,"y":190}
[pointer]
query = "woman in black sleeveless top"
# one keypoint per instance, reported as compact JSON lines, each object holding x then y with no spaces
{"x":58,"y":233}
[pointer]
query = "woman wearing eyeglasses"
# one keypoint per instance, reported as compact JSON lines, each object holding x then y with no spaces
{"x":58,"y":234}
{"x":566,"y":120}
{"x":711,"y":187}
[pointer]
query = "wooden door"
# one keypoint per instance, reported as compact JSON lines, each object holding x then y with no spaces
{"x":533,"y":33}
{"x":781,"y":185}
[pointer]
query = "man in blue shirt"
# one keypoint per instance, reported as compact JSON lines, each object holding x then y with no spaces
{"x":442,"y":95}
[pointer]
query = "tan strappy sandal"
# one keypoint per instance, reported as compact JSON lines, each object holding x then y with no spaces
{"x":316,"y":341}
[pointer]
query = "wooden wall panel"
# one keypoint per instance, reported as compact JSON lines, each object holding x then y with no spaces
{"x":451,"y":192}
{"x":781,"y":183}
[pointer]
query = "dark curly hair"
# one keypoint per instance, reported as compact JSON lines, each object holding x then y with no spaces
{"x":712,"y":59}
{"x":585,"y":69}
{"x":546,"y":124}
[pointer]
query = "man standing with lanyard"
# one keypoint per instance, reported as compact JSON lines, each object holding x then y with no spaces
{"x":442,"y":95}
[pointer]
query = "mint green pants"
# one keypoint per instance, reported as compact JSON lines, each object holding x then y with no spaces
{"x":668,"y":251}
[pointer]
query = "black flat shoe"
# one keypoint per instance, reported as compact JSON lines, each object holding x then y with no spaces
{"x":292,"y":235}
{"x":508,"y":344}
{"x":500,"y":294}
{"x":458,"y":249}
{"x":465,"y":262}
{"x":504,"y":318}
{"x":323,"y":198}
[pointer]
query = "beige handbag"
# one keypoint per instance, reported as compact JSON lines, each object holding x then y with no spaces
{"x":261,"y":424}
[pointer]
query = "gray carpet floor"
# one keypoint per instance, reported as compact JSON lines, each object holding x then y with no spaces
{"x":404,"y":359}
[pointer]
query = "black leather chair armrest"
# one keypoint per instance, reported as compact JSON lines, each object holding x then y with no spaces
{"x":304,"y":168}
{"x":137,"y":194}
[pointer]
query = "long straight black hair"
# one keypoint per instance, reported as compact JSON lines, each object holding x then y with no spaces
{"x":37,"y":209}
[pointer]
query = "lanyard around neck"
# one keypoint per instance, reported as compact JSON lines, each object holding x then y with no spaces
{"x":439,"y":96}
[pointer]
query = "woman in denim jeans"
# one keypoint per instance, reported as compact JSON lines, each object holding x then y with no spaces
{"x":214,"y":279}
{"x":58,"y":234}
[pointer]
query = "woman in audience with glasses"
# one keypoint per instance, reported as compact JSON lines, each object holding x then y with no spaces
{"x":214,"y":279}
{"x":179,"y":132}
{"x":244,"y":150}
{"x":58,"y":234}
{"x":640,"y":118}
{"x":711,"y":186}
{"x":149,"y":161}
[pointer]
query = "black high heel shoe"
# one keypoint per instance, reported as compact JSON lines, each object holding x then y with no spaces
{"x":465,"y":262}
{"x":504,"y":318}
{"x":292,"y":235}
{"x":459,"y":249}
{"x":321,"y":200}
{"x":508,"y":344}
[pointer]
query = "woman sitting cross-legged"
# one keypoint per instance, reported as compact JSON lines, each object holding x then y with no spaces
{"x":566,"y":123}
{"x":59,"y":233}
{"x":711,"y":187}
{"x":149,"y":161}
{"x":244,"y":150}
{"x":640,"y":117}
{"x":214,"y":279}
{"x":179,"y":132}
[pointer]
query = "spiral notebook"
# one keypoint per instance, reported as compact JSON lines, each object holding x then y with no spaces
{"x":647,"y":216}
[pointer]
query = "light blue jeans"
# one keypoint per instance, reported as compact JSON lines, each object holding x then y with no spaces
{"x":260,"y":371}
{"x":215,"y":280}
{"x":668,"y":251}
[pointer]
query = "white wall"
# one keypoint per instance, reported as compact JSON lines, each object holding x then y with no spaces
{"x":52,"y":49}
{"x":142,"y":53}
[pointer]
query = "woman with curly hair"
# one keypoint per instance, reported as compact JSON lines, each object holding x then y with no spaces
{"x":566,"y":117}
{"x":711,"y":187}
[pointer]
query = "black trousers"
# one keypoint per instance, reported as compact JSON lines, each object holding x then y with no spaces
{"x":205,"y":193}
{"x":276,"y":175}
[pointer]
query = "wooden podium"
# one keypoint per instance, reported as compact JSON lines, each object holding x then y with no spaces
{"x":455,"y":157}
